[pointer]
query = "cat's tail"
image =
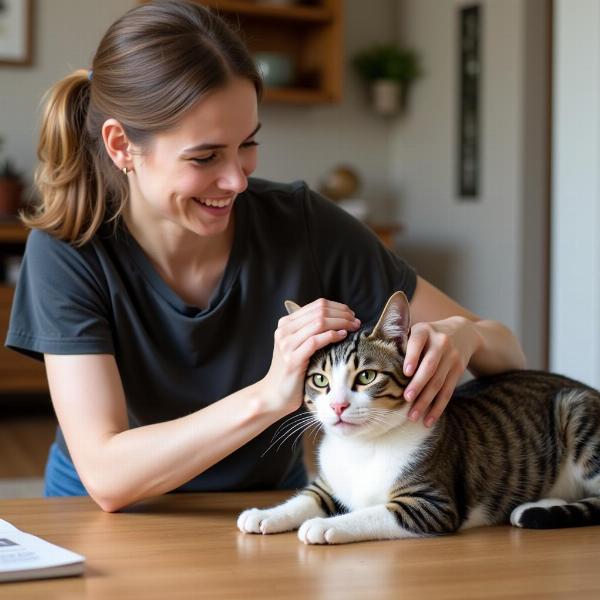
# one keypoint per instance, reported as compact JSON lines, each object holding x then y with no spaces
{"x":553,"y":513}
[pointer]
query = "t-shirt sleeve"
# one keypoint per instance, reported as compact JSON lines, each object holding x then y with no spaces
{"x":354,"y":266}
{"x":59,"y":306}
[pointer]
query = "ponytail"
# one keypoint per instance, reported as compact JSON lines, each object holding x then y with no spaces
{"x":69,"y":178}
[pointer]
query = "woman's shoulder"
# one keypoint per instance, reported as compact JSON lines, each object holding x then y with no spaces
{"x":41,"y":240}
{"x":294,"y":199}
{"x":275,"y":189}
{"x":276,"y":196}
{"x":47,"y":253}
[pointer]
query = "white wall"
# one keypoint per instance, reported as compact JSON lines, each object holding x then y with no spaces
{"x":66,"y":35}
{"x":575,"y":340}
{"x":475,"y":251}
{"x":296,"y":142}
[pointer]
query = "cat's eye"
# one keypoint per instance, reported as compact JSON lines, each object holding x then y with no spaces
{"x":366,"y":377}
{"x":320,"y":380}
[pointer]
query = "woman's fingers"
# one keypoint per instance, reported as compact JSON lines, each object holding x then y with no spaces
{"x":312,"y":312}
{"x":442,"y":397}
{"x":426,"y":370}
{"x":414,"y":349}
{"x":314,"y":318}
{"x":433,"y":389}
{"x":316,"y":342}
{"x":312,"y":327}
{"x":320,"y":325}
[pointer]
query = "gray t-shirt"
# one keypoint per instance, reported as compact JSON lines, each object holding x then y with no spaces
{"x":173,"y":358}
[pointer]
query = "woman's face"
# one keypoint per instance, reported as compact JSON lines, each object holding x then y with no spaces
{"x":191,"y":174}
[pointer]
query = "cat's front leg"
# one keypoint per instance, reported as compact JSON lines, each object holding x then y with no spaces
{"x":372,"y":523}
{"x":285,"y":517}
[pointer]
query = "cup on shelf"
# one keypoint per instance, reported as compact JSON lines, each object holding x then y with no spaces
{"x":277,"y":69}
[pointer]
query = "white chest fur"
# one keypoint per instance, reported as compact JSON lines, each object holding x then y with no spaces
{"x":361,"y":473}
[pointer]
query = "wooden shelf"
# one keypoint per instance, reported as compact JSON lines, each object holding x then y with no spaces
{"x":311,"y":14}
{"x":296,"y":96}
{"x":12,"y":231}
{"x":18,"y":373}
{"x":311,"y":35}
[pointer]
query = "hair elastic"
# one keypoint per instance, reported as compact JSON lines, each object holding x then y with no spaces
{"x":90,"y":74}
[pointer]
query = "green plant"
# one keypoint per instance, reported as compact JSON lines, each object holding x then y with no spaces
{"x":8,"y":169}
{"x":388,"y":61}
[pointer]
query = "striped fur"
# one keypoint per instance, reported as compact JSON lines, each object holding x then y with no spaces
{"x":521,"y":447}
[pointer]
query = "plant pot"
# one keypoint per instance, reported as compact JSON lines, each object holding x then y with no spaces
{"x":386,"y":96}
{"x":11,"y":192}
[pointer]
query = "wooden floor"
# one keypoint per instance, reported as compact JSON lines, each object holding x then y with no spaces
{"x":26,"y":432}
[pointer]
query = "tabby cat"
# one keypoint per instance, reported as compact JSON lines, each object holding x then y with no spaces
{"x":523,"y":446}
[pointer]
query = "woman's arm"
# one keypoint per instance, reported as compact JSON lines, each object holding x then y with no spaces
{"x":445,"y":340}
{"x":119,"y":466}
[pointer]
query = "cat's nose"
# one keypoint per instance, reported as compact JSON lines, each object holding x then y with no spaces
{"x":339,"y":407}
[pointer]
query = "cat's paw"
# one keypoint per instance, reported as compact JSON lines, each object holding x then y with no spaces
{"x":271,"y":520}
{"x":324,"y":531}
{"x":534,"y":514}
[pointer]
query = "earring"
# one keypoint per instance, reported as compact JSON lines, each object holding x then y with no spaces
{"x":125,"y":170}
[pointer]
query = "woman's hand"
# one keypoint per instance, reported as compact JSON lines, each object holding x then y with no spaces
{"x":298,"y":336}
{"x":442,"y":350}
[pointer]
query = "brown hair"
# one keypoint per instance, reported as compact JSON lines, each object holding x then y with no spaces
{"x":152,"y":65}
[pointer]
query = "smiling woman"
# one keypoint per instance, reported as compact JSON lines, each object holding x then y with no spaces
{"x":153,"y":284}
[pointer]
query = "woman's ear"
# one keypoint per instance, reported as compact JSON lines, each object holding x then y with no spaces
{"x":117,"y":144}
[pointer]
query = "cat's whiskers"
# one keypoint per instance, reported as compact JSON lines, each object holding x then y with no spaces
{"x":300,"y":425}
{"x":319,"y":429}
{"x":290,"y":420}
{"x":380,"y":412}
{"x":307,"y":431}
{"x":377,"y":421}
{"x":292,"y":425}
{"x":298,"y":432}
{"x":378,"y":416}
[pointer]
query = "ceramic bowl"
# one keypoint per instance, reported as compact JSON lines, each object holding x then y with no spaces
{"x":276,"y":68}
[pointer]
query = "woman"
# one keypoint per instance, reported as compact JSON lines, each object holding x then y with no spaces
{"x":156,"y":272}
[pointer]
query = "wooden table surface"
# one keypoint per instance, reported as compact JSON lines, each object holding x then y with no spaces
{"x":187,"y":546}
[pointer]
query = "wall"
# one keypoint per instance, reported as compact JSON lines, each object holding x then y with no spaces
{"x":296,"y":142}
{"x":66,"y":35}
{"x":575,"y":343}
{"x":478,"y":252}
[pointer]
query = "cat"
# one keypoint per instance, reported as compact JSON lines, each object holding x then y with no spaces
{"x":521,"y":447}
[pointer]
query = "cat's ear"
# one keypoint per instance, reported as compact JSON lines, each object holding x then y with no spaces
{"x":394,"y":322}
{"x":291,"y":306}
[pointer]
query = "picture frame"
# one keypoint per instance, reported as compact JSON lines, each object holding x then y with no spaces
{"x":16,"y":32}
{"x":470,"y":43}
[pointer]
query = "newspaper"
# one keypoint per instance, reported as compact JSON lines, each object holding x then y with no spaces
{"x":26,"y":556}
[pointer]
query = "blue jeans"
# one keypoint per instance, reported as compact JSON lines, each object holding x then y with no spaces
{"x":60,"y":478}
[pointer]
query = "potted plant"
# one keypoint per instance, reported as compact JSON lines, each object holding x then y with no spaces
{"x":389,"y":70}
{"x":11,"y":187}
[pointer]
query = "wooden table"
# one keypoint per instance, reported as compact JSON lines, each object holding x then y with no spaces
{"x":187,"y":546}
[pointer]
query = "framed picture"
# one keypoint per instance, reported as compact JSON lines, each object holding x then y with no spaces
{"x":470,"y":74}
{"x":16,"y":21}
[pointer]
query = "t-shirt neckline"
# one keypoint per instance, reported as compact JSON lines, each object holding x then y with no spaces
{"x":225,"y":285}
